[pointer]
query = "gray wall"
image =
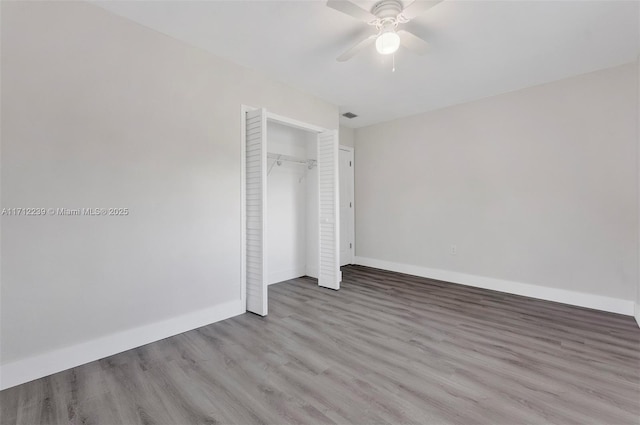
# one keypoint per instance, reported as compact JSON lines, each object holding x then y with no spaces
{"x":347,"y":136}
{"x":101,"y":112}
{"x":537,"y":186}
{"x":637,"y":310}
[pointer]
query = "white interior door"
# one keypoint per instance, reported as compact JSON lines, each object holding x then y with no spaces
{"x":346,"y":206}
{"x":329,"y":275}
{"x":256,"y":211}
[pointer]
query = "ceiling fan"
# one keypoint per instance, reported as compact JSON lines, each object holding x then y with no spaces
{"x":385,"y":16}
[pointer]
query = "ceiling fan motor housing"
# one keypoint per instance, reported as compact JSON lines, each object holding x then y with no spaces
{"x":387,"y":9}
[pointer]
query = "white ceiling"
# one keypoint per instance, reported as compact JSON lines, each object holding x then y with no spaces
{"x":478,"y":48}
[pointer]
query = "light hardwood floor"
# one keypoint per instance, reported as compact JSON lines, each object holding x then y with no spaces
{"x":386,"y":348}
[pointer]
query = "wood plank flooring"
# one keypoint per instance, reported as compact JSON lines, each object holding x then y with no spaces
{"x":386,"y":348}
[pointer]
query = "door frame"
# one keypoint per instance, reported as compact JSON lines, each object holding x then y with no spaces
{"x":243,"y":195}
{"x":352,"y":179}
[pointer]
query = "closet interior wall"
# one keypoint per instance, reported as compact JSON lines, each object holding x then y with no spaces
{"x":292,"y":203}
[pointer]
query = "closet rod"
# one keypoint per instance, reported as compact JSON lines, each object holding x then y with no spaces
{"x":281,"y":157}
{"x":310,"y":163}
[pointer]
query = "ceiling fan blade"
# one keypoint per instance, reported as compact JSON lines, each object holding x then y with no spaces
{"x":416,"y":8}
{"x":413,"y":42}
{"x":351,"y":9}
{"x":357,"y":48}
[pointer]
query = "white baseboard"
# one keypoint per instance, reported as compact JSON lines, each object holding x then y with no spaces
{"x":637,"y":314}
{"x":282,"y":275}
{"x":580,"y":299}
{"x":28,"y":369}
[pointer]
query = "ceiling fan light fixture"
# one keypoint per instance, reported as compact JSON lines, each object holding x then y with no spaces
{"x":387,"y":43}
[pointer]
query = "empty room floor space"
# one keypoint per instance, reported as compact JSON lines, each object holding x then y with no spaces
{"x":386,"y":348}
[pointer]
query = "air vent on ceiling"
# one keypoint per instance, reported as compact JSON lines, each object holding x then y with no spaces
{"x":349,"y":115}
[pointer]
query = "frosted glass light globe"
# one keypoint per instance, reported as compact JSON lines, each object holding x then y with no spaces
{"x":387,"y":43}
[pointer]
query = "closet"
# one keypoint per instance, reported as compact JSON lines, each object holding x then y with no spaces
{"x":290,"y":205}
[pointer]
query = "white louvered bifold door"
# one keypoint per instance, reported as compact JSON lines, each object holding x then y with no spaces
{"x":329,"y":264}
{"x":256,"y":193}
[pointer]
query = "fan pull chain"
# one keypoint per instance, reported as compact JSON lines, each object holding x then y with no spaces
{"x":394,"y":63}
